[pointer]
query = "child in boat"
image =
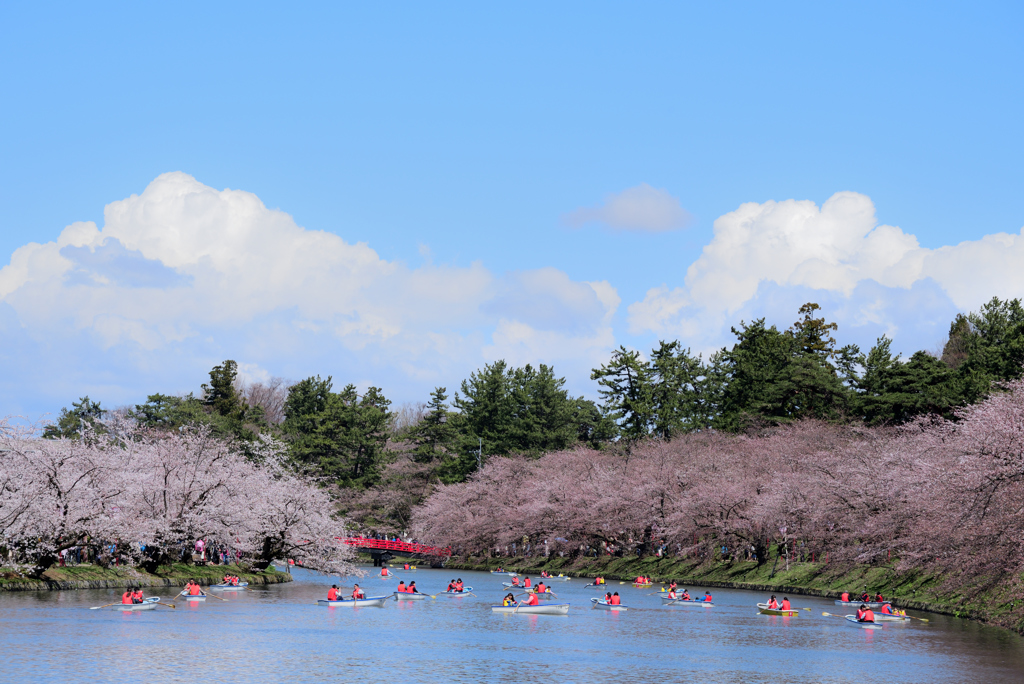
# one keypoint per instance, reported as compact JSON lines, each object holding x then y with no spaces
{"x":608,"y":597}
{"x":509,"y":600}
{"x":672,"y":593}
{"x":685,"y":596}
{"x":451,"y":586}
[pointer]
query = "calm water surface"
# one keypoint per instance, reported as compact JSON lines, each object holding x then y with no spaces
{"x":277,"y":633}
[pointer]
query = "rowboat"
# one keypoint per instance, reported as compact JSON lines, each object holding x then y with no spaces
{"x":604,"y":605}
{"x":406,"y":596}
{"x":502,"y":572}
{"x":887,"y":617}
{"x":865,"y":625}
{"x":560,"y":578}
{"x":642,"y":586}
{"x":763,"y":608}
{"x":147,"y":604}
{"x":190,"y":597}
{"x":228,"y":587}
{"x":857,"y":604}
{"x":681,"y":602}
{"x":456,"y":594}
{"x":549,"y":609}
{"x":369,"y":601}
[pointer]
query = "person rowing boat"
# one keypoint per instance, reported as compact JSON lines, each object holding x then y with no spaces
{"x":357,"y":593}
{"x":707,"y":596}
{"x":685,"y":596}
{"x":231,"y":580}
{"x":193,"y":588}
{"x":459,"y":586}
{"x":411,"y":589}
{"x":384,"y":572}
{"x":406,"y":567}
{"x":515,"y":580}
{"x":864,"y":614}
{"x":451,"y":586}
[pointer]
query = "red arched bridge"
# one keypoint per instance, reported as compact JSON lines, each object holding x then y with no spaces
{"x":398,"y":546}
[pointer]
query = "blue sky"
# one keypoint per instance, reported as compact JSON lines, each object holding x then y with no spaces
{"x":446,"y":185}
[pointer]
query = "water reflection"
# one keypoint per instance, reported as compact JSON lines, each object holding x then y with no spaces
{"x":278,"y":632}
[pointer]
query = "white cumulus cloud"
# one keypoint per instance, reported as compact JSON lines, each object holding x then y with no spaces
{"x":839,"y":252}
{"x":640,"y":208}
{"x":183,"y":275}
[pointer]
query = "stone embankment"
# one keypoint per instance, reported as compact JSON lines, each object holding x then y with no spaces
{"x":90,"y":577}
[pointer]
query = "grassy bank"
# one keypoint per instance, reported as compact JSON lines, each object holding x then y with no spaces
{"x":1001,"y":605}
{"x":95,"y":577}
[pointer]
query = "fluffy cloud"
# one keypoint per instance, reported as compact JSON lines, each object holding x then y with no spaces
{"x":837,"y":252}
{"x":640,"y":208}
{"x":184,"y":275}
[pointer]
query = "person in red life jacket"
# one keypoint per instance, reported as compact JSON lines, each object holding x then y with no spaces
{"x":707,"y":596}
{"x":672,"y":585}
{"x":865,"y":597}
{"x":616,"y":599}
{"x":384,"y":571}
{"x":533,"y":600}
{"x":411,"y":589}
{"x":845,"y":597}
{"x":785,"y":603}
{"x":401,"y":586}
{"x":357,"y":593}
{"x":458,"y":585}
{"x":886,"y":609}
{"x":685,"y":596}
{"x":451,"y":586}
{"x":406,"y":566}
{"x":126,"y":597}
{"x":672,"y":593}
{"x":772,"y":603}
{"x":515,"y":580}
{"x":878,"y":597}
{"x":599,"y":580}
{"x":864,"y":614}
{"x":332,"y":593}
{"x":541,"y":588}
{"x":527,"y":583}
{"x":608,"y":597}
{"x":194,"y":589}
{"x":137,"y":596}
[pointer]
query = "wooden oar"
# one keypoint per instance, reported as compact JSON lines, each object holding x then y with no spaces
{"x":169,"y":605}
{"x":106,"y":606}
{"x":216,"y":597}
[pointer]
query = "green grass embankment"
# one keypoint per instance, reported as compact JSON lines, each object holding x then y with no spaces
{"x":87,"y":576}
{"x":1001,"y":604}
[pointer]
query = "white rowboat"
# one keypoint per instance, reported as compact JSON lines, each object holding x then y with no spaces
{"x":190,"y":597}
{"x":604,"y":605}
{"x":560,"y":578}
{"x":680,"y":602}
{"x":456,"y":594}
{"x":228,"y":587}
{"x":147,"y":604}
{"x":865,"y":625}
{"x":884,"y":617}
{"x":510,"y":574}
{"x":763,"y":608}
{"x":377,"y":601}
{"x":556,"y":609}
{"x":406,"y":596}
{"x":857,"y":604}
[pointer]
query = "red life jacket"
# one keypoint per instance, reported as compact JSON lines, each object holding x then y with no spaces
{"x":533,"y":600}
{"x":358,"y":594}
{"x":332,"y":594}
{"x":887,"y":609}
{"x":616,"y":600}
{"x":671,"y":593}
{"x":541,"y":588}
{"x":458,"y":586}
{"x":686,"y":596}
{"x":707,"y":597}
{"x":406,"y":566}
{"x":845,"y":596}
{"x":867,"y":616}
{"x":527,"y":583}
{"x":515,"y":581}
{"x":126,"y":597}
{"x":772,"y":604}
{"x":401,"y":587}
{"x":194,"y":590}
{"x":785,"y":604}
